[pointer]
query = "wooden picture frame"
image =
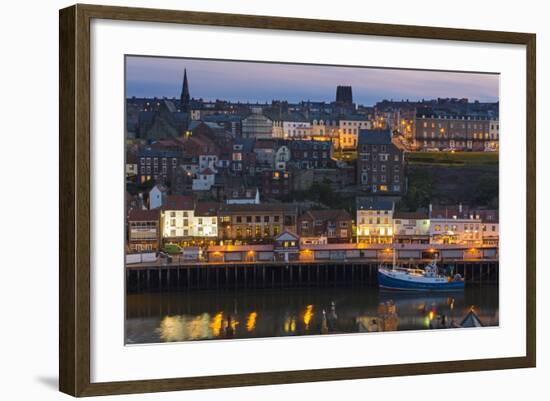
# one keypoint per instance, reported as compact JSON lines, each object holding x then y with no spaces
{"x":74,"y":203}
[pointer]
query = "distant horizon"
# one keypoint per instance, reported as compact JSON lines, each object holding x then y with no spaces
{"x":261,"y":82}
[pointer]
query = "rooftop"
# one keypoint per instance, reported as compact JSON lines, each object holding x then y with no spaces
{"x":410,"y":215}
{"x":327,"y":214}
{"x":374,"y":137}
{"x":373,"y":204}
{"x":264,"y":207}
{"x":143,"y":215}
{"x":178,"y":202}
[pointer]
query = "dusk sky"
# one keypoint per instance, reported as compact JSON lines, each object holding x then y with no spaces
{"x":252,"y":82}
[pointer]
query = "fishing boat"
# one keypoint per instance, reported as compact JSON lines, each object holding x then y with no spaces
{"x":427,"y":279}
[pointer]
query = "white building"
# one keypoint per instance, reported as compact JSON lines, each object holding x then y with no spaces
{"x":282,"y":157}
{"x":411,"y":228}
{"x":205,"y":221}
{"x":456,"y":231}
{"x":177,"y":218}
{"x":208,"y":161}
{"x":204,"y":180}
{"x":492,"y":143}
{"x":182,"y":221}
{"x":157,"y":196}
{"x":325,"y":129}
{"x":374,"y":221}
{"x":242,"y":196}
{"x":131,"y":169}
{"x":296,"y":130}
{"x":348,"y":132}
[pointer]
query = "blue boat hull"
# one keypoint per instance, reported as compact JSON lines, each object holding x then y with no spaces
{"x":391,"y":283}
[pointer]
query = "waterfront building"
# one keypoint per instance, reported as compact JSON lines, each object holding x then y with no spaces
{"x":287,"y":246}
{"x":489,"y":226}
{"x":333,"y":224}
{"x":255,"y":223}
{"x":411,"y":228}
{"x":177,"y":218}
{"x":458,"y":224}
{"x":455,"y":225}
{"x":143,"y":230}
{"x":380,"y":163}
{"x":240,"y":253}
{"x":205,"y":220}
{"x":183,"y":222}
{"x":374,"y":221}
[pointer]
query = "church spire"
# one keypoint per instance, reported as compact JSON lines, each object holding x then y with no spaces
{"x":185,"y":98}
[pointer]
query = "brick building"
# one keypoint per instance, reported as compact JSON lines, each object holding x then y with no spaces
{"x":255,"y":223}
{"x":335,"y":225}
{"x":380,"y":163}
{"x":143,"y":230}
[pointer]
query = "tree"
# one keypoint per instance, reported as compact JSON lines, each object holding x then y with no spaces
{"x":486,"y":190}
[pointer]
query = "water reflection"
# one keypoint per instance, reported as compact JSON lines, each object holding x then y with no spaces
{"x":172,"y":317}
{"x":251,"y":321}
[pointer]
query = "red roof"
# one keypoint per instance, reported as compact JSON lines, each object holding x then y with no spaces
{"x":206,"y":209}
{"x":207,"y":170}
{"x":197,"y":145}
{"x":143,"y":215}
{"x":178,"y":202}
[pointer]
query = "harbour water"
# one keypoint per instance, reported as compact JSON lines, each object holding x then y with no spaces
{"x":154,"y":317}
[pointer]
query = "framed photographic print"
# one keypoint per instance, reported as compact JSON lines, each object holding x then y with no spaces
{"x":250,"y":200}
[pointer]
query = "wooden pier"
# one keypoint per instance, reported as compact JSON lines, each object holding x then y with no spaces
{"x":197,"y":276}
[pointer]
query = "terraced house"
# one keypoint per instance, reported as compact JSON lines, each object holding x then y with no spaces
{"x":333,"y":224}
{"x":456,"y":132}
{"x":380,"y":163}
{"x":183,"y":222}
{"x":255,"y":223}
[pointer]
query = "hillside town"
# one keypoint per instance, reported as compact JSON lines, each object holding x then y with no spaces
{"x":221,"y":181}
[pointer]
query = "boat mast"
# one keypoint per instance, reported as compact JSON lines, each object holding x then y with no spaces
{"x":393,"y":243}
